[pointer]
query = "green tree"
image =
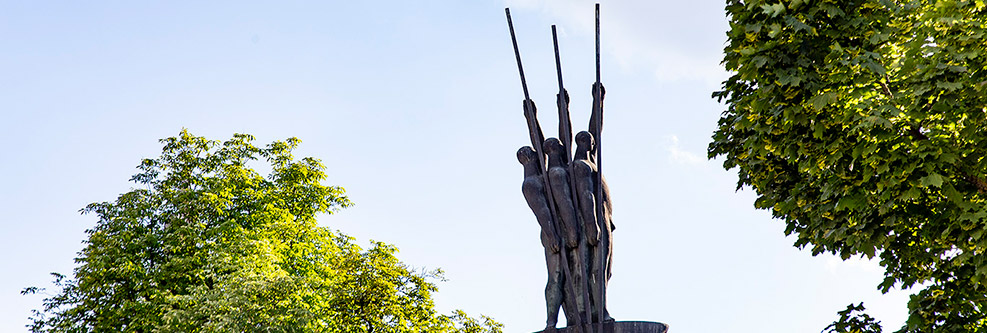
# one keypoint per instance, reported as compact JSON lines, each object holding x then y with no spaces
{"x":206,"y":244}
{"x":862,"y":125}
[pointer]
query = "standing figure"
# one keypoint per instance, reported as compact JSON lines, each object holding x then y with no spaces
{"x":533,"y":189}
{"x":558,"y":177}
{"x":597,"y":229}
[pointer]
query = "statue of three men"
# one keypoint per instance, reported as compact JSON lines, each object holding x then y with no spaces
{"x":571,"y":202}
{"x":584,"y":236}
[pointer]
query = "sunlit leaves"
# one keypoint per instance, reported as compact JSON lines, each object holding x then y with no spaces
{"x":207,"y":244}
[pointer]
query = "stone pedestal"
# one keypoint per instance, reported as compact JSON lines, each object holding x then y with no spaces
{"x":618,"y":327}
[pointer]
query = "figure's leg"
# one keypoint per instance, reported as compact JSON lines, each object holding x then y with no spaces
{"x":600,"y":274}
{"x":594,"y":268}
{"x":587,"y":283}
{"x":553,"y":288}
{"x":609,"y":255}
{"x":577,"y":267}
{"x":609,"y":260}
{"x":567,"y":305}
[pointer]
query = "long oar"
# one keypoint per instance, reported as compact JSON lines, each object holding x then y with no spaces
{"x":565,"y":123}
{"x":536,"y":141}
{"x":601,"y":218}
{"x":565,"y":135}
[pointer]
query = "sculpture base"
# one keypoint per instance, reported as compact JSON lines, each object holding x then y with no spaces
{"x":617,"y":327}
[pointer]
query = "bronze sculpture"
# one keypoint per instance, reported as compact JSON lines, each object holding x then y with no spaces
{"x":571,"y":202}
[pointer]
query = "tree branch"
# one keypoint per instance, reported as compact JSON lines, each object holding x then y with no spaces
{"x":978,"y":182}
{"x":915,"y":131}
{"x":885,"y":88}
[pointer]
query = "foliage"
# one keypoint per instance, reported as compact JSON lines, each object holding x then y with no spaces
{"x":854,"y":320}
{"x":862,"y":125}
{"x":209,"y":245}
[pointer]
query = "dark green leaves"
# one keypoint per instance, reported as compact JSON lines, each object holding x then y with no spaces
{"x":931,"y":180}
{"x":822,"y":100}
{"x":862,"y":125}
{"x":774,"y":9}
{"x":854,"y":320}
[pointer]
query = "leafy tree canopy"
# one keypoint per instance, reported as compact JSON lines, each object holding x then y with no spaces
{"x":206,"y":244}
{"x":862,"y":125}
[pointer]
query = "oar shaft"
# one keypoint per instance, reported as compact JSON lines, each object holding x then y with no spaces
{"x":565,"y":123}
{"x":597,"y":43}
{"x":602,"y":219}
{"x":535,"y":134}
{"x":517,"y":54}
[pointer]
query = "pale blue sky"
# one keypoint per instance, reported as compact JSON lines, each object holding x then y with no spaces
{"x":415,"y":108}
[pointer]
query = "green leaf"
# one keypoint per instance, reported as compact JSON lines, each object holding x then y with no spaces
{"x":849,"y":203}
{"x":875,"y":67}
{"x":773,"y":10}
{"x":759,"y":61}
{"x":821,"y":101}
{"x":798,"y":25}
{"x":949,"y":86}
{"x":785,"y":79}
{"x":774,"y":29}
{"x":934,"y":180}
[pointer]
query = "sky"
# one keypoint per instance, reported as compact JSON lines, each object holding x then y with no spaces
{"x":415,"y":108}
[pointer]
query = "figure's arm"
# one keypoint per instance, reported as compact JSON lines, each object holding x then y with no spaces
{"x":534,"y":194}
{"x":594,"y":127}
{"x":566,"y":209}
{"x":534,"y":129}
{"x":549,"y":242}
{"x":582,"y":175}
{"x":607,"y":204}
{"x":545,"y":220}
